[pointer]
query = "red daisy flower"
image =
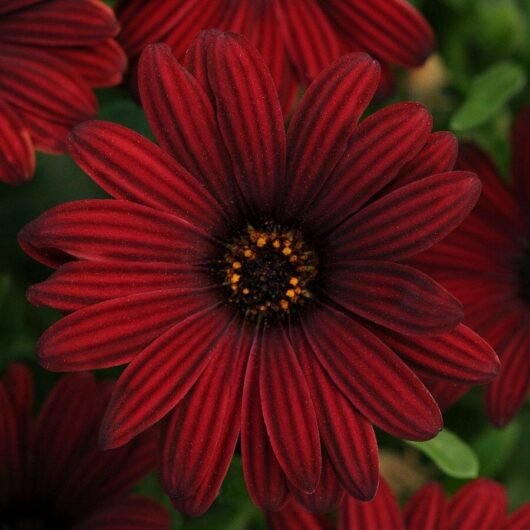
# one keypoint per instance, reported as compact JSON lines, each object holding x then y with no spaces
{"x":486,"y":263}
{"x":53,"y":475}
{"x":52,"y":53}
{"x":251,"y":279}
{"x":479,"y":505}
{"x":297,"y":38}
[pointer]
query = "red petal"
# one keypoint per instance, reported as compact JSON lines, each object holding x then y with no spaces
{"x":17,"y":157}
{"x":323,"y":124}
{"x":520,"y":519}
{"x":48,"y":136}
{"x":348,"y":437}
{"x":162,"y":374}
{"x":81,"y":283}
{"x":371,"y":376}
{"x":408,"y":220}
{"x":132,"y":513}
{"x":444,"y":392}
{"x":395,"y":296}
{"x":14,"y":5}
{"x":43,"y":85}
{"x":60,"y":23}
{"x":380,"y":514}
{"x":288,"y":411}
{"x":65,"y":423}
{"x":390,"y":29}
{"x":328,"y":495}
{"x":263,"y":475}
{"x":479,"y":504}
{"x":507,"y":393}
{"x":459,"y":355}
{"x":197,"y":424}
{"x":496,"y":201}
{"x":100,"y":65}
{"x":376,"y":151}
{"x":294,"y":517}
{"x":438,"y":155}
{"x":84,"y":340}
{"x":521,"y":157}
{"x":427,"y":509}
{"x":311,"y":41}
{"x":114,"y":230}
{"x":249,"y":116}
{"x":168,"y":93}
{"x":130,"y":167}
{"x":11,"y":459}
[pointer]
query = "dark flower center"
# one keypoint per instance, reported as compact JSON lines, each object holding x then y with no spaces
{"x":267,"y":272}
{"x":523,"y":270}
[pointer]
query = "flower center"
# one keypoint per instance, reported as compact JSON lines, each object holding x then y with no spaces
{"x":268,"y":272}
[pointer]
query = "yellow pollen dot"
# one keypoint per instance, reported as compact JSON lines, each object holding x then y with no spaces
{"x":246,"y":291}
{"x":290,"y":293}
{"x":236,"y":265}
{"x":247,"y":253}
{"x":234,"y":287}
{"x":263,"y":308}
{"x":261,"y":242}
{"x":276,"y":243}
{"x":284,"y":304}
{"x":293,"y":258}
{"x":294,"y":281}
{"x":235,"y":278}
{"x":286,"y":251}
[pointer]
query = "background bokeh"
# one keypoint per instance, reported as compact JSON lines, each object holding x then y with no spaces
{"x":473,"y":87}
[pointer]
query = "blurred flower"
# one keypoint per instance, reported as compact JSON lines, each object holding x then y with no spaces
{"x":479,"y":505}
{"x":297,"y":38}
{"x":52,"y":53}
{"x":486,"y":263}
{"x":53,"y":475}
{"x":251,"y":278}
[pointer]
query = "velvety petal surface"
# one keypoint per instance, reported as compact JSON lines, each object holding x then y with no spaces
{"x":427,"y":509}
{"x":371,"y":376}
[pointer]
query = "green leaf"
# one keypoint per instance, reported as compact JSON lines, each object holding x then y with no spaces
{"x":488,"y":94}
{"x":495,"y":447}
{"x":450,"y":454}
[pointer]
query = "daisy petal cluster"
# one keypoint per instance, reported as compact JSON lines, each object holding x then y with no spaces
{"x":52,"y":54}
{"x":254,"y":277}
{"x":52,"y":473}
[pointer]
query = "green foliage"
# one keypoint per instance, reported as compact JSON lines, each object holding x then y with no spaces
{"x":450,"y":454}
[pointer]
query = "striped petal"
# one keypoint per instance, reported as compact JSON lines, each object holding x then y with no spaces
{"x":168,"y":92}
{"x":113,"y":230}
{"x":376,"y":151}
{"x":460,"y":355}
{"x":84,"y":340}
{"x":395,"y":296}
{"x":130,"y":167}
{"x":507,"y":393}
{"x":311,"y":41}
{"x":323,"y":123}
{"x":478,"y":505}
{"x":294,"y":517}
{"x":60,"y":23}
{"x":427,"y":509}
{"x":520,"y":519}
{"x":162,"y":374}
{"x":43,"y":85}
{"x":78,"y":284}
{"x":249,"y":116}
{"x":408,"y":220}
{"x":390,"y":29}
{"x":17,"y":157}
{"x":348,"y":437}
{"x":380,"y":514}
{"x":264,"y":477}
{"x":190,"y":448}
{"x":288,"y":411}
{"x":379,"y":385}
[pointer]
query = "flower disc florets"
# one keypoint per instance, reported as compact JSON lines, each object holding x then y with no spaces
{"x":268,"y":271}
